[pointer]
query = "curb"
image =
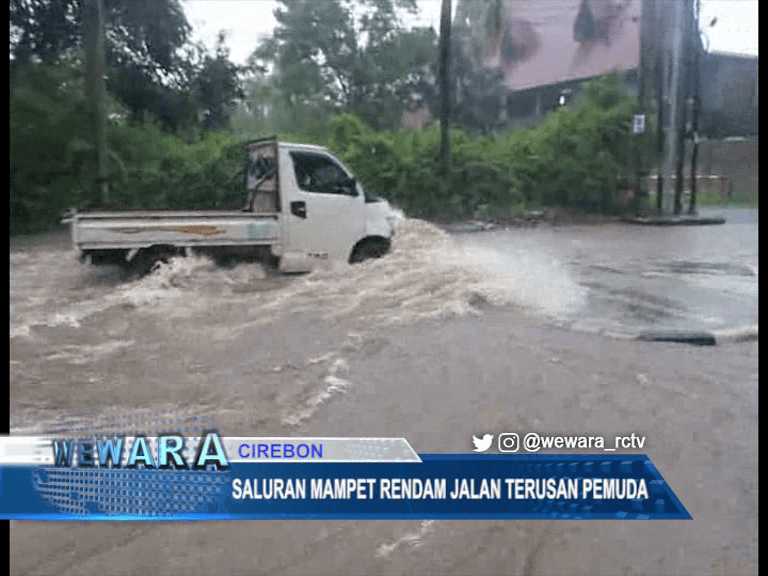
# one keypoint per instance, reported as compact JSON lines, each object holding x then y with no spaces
{"x":695,"y":338}
{"x":702,"y":338}
{"x":740,"y":334}
{"x":747,"y":333}
{"x":676,"y":220}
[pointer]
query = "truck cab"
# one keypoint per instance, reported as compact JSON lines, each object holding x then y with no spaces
{"x":325,"y":213}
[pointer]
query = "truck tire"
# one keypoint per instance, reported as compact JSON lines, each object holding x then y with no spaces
{"x":106,"y":257}
{"x":145,"y":260}
{"x":369,"y":248}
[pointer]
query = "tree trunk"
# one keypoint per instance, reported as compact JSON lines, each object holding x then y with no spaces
{"x":96,"y":92}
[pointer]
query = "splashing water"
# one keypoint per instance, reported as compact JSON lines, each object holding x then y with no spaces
{"x":427,"y":274}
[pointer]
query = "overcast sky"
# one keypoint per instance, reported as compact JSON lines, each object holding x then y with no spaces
{"x":245,"y":21}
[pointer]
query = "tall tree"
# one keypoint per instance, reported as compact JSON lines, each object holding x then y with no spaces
{"x":480,"y":97}
{"x":145,"y":32}
{"x":143,"y":45}
{"x":346,"y":55}
{"x":44,"y":29}
{"x":217,"y":86}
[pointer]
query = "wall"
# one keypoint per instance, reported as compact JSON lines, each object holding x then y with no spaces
{"x":417,"y":118}
{"x":737,"y":161}
{"x":528,"y":107}
{"x":729,"y":95}
{"x":728,"y":168}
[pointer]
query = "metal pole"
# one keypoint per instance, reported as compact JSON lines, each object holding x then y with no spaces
{"x":660,"y":78}
{"x":93,"y":20}
{"x":445,"y":87}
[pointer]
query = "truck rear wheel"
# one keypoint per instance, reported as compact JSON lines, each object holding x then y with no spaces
{"x":146,"y":258}
{"x":106,"y":257}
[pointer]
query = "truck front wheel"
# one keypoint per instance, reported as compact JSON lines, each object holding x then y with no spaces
{"x":369,"y":248}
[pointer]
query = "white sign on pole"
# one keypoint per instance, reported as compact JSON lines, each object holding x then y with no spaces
{"x":638,"y":125}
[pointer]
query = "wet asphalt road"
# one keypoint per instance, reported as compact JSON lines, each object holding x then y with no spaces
{"x":257,"y":353}
{"x":648,"y":277}
{"x":437,"y":385}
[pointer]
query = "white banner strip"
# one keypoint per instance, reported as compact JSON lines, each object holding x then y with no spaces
{"x":284,"y":449}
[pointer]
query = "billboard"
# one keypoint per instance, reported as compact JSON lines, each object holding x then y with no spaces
{"x":545,"y":42}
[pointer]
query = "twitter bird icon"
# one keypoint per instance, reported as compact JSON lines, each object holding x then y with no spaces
{"x":482,"y":444}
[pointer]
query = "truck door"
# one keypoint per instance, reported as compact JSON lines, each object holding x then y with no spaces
{"x":326,"y":211}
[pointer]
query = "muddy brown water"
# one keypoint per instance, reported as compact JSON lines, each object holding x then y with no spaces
{"x":435,"y":342}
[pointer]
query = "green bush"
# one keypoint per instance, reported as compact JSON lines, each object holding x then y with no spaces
{"x":48,"y":144}
{"x":575,"y":158}
{"x":52,"y":160}
{"x":163,"y":172}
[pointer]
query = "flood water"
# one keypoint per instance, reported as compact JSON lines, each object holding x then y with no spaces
{"x":640,"y":277}
{"x":445,"y":337}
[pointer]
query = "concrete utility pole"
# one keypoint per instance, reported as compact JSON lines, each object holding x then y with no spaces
{"x":93,"y":20}
{"x":445,"y":87}
{"x":676,"y":54}
{"x":695,"y":103}
{"x":661,"y":59}
{"x":681,"y":125}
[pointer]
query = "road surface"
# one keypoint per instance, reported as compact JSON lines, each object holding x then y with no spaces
{"x":436,"y":342}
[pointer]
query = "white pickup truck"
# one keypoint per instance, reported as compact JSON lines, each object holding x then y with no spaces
{"x":301,"y":206}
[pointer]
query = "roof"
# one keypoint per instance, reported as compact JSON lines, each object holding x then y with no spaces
{"x":539,"y":46}
{"x":297,"y":145}
{"x":720,"y":54}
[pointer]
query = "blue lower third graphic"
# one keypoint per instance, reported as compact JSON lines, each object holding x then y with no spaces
{"x":440,"y":486}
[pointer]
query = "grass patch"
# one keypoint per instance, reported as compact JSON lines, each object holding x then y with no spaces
{"x":717,"y":200}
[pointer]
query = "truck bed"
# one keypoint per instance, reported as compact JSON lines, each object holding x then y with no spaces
{"x":141,"y":229}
